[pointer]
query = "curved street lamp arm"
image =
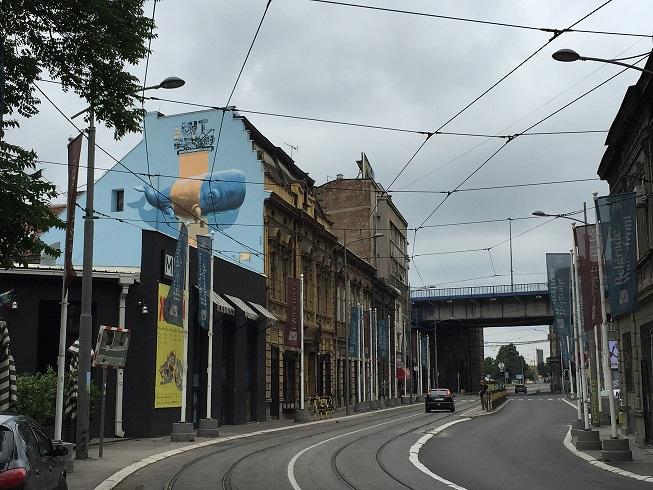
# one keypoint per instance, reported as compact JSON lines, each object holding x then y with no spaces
{"x":613,"y":62}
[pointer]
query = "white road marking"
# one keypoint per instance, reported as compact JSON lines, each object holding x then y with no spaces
{"x":600,"y":464}
{"x":575,"y":407}
{"x":413,"y":453}
{"x":551,"y":399}
{"x":120,"y":475}
{"x":291,"y":464}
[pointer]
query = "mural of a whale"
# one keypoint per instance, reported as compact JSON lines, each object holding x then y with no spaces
{"x":206,"y":194}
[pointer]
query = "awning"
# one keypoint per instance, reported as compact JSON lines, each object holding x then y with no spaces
{"x":263,"y":311}
{"x":221,"y":304}
{"x":240,"y":304}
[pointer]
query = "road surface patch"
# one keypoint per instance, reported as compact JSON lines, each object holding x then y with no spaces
{"x":120,"y":475}
{"x":600,"y":464}
{"x":413,"y":453}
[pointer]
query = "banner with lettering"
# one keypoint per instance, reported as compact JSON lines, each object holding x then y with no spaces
{"x":382,"y":338}
{"x":174,"y":304}
{"x":617,"y":218}
{"x":588,"y":271}
{"x":558,"y":271}
{"x":204,"y":271}
{"x":353,"y":332}
{"x":293,"y":310}
{"x":425,"y":343}
{"x":169,"y":367}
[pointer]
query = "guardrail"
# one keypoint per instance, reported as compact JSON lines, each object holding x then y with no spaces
{"x":504,"y":289}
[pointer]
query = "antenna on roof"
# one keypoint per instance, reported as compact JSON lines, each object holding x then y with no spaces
{"x":292,"y":148}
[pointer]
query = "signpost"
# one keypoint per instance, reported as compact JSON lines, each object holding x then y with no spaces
{"x":110,"y":352}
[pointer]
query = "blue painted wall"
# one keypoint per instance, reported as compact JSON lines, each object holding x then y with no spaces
{"x":231,"y":200}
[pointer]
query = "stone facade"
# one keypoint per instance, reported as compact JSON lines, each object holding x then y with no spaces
{"x":627,"y":165}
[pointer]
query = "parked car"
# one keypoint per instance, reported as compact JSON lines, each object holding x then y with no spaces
{"x":521,"y":389}
{"x":29,"y":459}
{"x":439,"y":398}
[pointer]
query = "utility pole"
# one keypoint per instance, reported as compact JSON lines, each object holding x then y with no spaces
{"x":85,"y":317}
{"x":512,"y":282}
{"x":581,"y":341}
{"x":348,"y":410}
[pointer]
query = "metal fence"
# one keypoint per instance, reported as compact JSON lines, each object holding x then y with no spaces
{"x":432,"y":293}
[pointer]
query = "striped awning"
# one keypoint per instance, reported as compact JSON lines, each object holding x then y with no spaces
{"x":263,"y":311}
{"x":221,"y":304}
{"x":242,"y":306}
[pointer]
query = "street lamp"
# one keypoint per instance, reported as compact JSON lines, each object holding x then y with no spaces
{"x":345,"y":244}
{"x":85,"y":318}
{"x":542,"y":214}
{"x":569,"y":55}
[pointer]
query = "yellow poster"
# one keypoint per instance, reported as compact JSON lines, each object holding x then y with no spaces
{"x":169,"y":358}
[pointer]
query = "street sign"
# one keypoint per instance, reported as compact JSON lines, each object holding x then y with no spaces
{"x":501,"y":366}
{"x":111,"y":347}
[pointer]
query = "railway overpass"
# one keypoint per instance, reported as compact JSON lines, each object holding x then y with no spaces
{"x":454,"y":318}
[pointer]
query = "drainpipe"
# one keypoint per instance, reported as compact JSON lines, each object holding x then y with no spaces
{"x":119,"y":373}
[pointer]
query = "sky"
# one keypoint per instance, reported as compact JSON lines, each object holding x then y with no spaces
{"x":380,"y":68}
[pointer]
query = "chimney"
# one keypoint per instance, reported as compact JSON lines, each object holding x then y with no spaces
{"x":339,"y":177}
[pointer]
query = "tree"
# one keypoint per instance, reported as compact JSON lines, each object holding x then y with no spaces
{"x":544,"y":369}
{"x":513,"y":362}
{"x":490,"y":367}
{"x":84,"y":45}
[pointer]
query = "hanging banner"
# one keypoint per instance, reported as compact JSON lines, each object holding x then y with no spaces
{"x":169,"y":357}
{"x":293,"y":309}
{"x":382,"y":339}
{"x":353,"y":332}
{"x":588,"y":271}
{"x":617,"y":215}
{"x":74,"y":150}
{"x":366,"y":333}
{"x":204,"y":271}
{"x":425,"y":344}
{"x":558,"y":271}
{"x":174,"y":303}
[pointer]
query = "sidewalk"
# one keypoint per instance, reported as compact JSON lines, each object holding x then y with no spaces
{"x":478,"y":411}
{"x":641,"y":465}
{"x":120,"y":453}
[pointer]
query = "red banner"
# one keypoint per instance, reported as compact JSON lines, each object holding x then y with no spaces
{"x":74,"y":150}
{"x":588,"y":270}
{"x":293,"y":310}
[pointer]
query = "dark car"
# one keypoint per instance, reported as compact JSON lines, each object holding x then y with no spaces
{"x":29,"y":459}
{"x":521,"y":389}
{"x":439,"y":398}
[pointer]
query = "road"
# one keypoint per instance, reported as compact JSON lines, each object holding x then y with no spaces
{"x":519,"y":446}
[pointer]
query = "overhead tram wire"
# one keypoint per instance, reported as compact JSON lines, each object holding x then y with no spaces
{"x":483,"y":94}
{"x":551,"y":30}
{"x":352,"y":189}
{"x":251,"y":249}
{"x":557,"y":111}
{"x":233,"y":90}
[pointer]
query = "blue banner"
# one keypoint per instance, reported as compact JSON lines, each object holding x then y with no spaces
{"x":558,"y":272}
{"x":382,"y":339}
{"x":174,"y":303}
{"x":424,"y":356}
{"x":204,"y":271}
{"x":353,"y":332}
{"x":617,"y":218}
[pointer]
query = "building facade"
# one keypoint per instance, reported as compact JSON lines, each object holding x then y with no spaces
{"x":627,"y":165}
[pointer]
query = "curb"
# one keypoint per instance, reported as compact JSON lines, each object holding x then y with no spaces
{"x":120,"y":475}
{"x":485,"y":413}
{"x":600,"y":464}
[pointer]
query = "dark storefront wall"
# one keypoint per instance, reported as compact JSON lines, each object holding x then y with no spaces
{"x":238,"y":353}
{"x":34,"y":326}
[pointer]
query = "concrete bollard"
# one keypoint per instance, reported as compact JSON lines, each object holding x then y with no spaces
{"x":586,"y":440}
{"x":182,"y":432}
{"x":208,"y":428}
{"x":303,"y":416}
{"x":617,"y":450}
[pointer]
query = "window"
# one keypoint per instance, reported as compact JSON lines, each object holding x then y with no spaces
{"x":117,"y":200}
{"x":31,"y":446}
{"x":6,"y":444}
{"x":44,"y":442}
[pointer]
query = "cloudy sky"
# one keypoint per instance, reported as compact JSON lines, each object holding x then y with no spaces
{"x":414,"y":72}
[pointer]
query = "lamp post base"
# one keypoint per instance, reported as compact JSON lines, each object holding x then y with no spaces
{"x":208,"y":428}
{"x":182,"y":432}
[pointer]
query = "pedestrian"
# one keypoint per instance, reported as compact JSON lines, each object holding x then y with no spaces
{"x":482,"y":394}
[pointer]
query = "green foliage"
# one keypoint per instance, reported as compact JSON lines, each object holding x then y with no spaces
{"x":513,"y":362}
{"x":36,"y":396}
{"x":544,"y":369}
{"x":490,"y":367}
{"x":86,"y":45}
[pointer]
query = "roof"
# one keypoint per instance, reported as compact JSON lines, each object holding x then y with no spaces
{"x":102,"y":272}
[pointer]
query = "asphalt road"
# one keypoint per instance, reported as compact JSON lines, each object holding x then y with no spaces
{"x":367,"y":452}
{"x":520,"y":447}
